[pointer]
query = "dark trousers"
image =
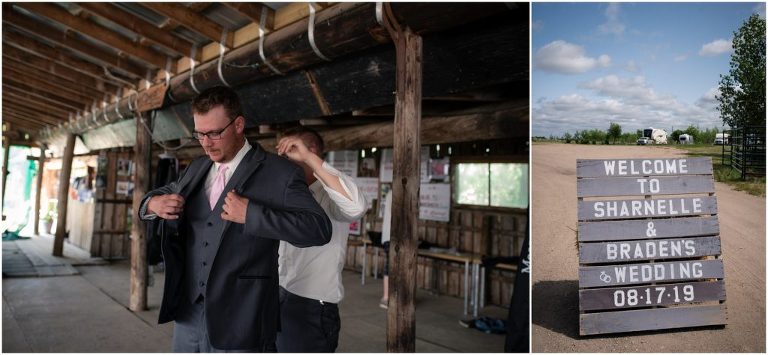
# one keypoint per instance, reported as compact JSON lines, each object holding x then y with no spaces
{"x":190,"y":333}
{"x":307,"y":325}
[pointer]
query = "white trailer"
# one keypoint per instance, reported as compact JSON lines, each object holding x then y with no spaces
{"x":685,"y":139}
{"x":656,"y":135}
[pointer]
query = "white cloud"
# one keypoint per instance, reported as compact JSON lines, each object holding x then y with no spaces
{"x":709,"y":99}
{"x":537,"y":25}
{"x":567,"y":58}
{"x":632,"y":67}
{"x":716,"y":47}
{"x":612,"y":25}
{"x":681,"y":58}
{"x":631,"y":102}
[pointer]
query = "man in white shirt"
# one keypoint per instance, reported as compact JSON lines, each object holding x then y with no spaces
{"x":310,"y":278}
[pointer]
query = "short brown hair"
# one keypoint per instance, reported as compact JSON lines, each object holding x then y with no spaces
{"x":218,"y":96}
{"x":305,"y":134}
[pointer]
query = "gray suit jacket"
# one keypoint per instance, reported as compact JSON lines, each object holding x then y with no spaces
{"x":241,"y":297}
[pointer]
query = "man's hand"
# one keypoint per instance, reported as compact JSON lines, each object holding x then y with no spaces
{"x":234,"y":207}
{"x":166,"y":206}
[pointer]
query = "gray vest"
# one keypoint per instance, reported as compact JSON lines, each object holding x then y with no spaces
{"x":203,"y":236}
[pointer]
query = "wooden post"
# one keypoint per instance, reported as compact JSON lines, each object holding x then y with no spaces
{"x":66,"y":171}
{"x":401,"y":321}
{"x":142,"y":160}
{"x":6,"y":150}
{"x":39,"y":188}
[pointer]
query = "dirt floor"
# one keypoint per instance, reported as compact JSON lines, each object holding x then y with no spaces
{"x":555,"y":263}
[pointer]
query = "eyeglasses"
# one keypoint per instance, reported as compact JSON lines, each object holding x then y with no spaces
{"x":212,"y":135}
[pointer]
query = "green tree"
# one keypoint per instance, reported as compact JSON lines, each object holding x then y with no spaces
{"x":614,"y":131}
{"x":675,"y":136}
{"x":742,"y":91}
{"x":693,"y":131}
{"x":567,"y":137}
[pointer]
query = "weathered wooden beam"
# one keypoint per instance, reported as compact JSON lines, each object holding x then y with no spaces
{"x":39,"y":189}
{"x":10,"y":77}
{"x":45,"y":112}
{"x":340,"y":30}
{"x":401,"y":315}
{"x":253,"y":11}
{"x":65,"y":39}
{"x":67,"y":85}
{"x":21,"y":120}
{"x":190,"y":19}
{"x":96,"y":32}
{"x":41,"y":95}
{"x":63,"y":195}
{"x":63,"y":72}
{"x":34,"y":113}
{"x":142,"y":159}
{"x":6,"y":154}
{"x":47,"y":93}
{"x":53,"y":106}
{"x":139,"y":26}
{"x":27,"y":50}
{"x":507,"y":123}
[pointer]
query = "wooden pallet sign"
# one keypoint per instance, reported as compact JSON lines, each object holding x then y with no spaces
{"x":649,"y":245}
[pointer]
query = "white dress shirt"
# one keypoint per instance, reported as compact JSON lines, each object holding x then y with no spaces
{"x":315,"y":272}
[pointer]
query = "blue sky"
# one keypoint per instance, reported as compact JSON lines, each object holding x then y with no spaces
{"x":638,"y":64}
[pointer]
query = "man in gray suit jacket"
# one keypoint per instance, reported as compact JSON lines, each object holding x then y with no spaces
{"x":222,"y":222}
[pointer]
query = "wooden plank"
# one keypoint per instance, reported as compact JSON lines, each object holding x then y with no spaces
{"x":662,"y":185}
{"x":651,"y":319}
{"x":653,"y":295}
{"x":190,"y":19}
{"x":401,"y":316}
{"x":96,"y":32}
{"x":632,"y":209}
{"x":253,"y":12}
{"x":64,"y":39}
{"x":61,"y":71}
{"x":632,"y":274}
{"x":656,"y":249}
{"x":639,"y":229}
{"x":143,"y":162}
{"x":642,"y":167}
{"x":63,"y":194}
{"x":139,"y":26}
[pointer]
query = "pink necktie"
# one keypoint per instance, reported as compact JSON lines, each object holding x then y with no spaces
{"x":218,"y":185}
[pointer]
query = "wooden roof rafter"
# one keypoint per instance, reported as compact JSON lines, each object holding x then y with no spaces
{"x":62,"y":72}
{"x":37,"y":105}
{"x":97,"y":33}
{"x":36,"y":94}
{"x":140,"y":27}
{"x":46,"y":90}
{"x":27,"y":50}
{"x":39,"y":101}
{"x":191,"y":20}
{"x":253,"y":11}
{"x":56,"y":87}
{"x":42,"y":117}
{"x":67,"y":40}
{"x":65,"y":84}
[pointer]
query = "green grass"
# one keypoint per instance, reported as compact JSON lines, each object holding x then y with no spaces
{"x":725,"y":174}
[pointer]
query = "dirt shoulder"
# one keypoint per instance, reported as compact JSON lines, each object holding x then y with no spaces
{"x":555,"y":262}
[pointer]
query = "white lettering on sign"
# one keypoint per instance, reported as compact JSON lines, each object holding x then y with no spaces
{"x":646,"y":167}
{"x":642,"y":208}
{"x":653,"y":185}
{"x":657,"y":272}
{"x":650,"y":249}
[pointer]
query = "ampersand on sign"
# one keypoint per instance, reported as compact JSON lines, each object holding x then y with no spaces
{"x":605,"y":277}
{"x":650,"y":232}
